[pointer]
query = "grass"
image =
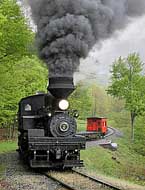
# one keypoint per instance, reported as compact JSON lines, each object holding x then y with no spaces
{"x":7,"y":146}
{"x":123,"y":163}
{"x":81,"y":125}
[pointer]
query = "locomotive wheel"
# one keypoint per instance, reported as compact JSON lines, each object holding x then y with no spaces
{"x":62,"y":125}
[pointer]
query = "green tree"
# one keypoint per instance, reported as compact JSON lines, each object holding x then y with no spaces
{"x":128,"y":84}
{"x":21,"y":73}
{"x":15,"y":35}
{"x":100,"y":101}
{"x":81,"y":100}
{"x":25,"y":77}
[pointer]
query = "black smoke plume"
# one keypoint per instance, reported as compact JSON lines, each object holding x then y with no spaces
{"x":68,"y":29}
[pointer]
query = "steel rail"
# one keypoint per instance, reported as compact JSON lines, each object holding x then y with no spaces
{"x":111,"y":133}
{"x":105,"y":184}
{"x":69,"y":187}
{"x":65,"y":185}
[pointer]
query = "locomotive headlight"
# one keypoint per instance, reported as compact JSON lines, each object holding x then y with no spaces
{"x":63,"y":104}
{"x":49,"y":114}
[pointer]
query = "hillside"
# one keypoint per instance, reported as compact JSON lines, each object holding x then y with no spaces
{"x":124,"y":164}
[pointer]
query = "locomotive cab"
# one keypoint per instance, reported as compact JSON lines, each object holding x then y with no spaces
{"x":48,"y":130}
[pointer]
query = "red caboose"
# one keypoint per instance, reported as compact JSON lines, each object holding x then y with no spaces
{"x":97,"y":124}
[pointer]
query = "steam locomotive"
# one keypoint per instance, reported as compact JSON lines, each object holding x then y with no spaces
{"x":47,"y":128}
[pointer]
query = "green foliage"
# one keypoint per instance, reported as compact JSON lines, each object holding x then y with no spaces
{"x":81,"y":125}
{"x":91,"y":101}
{"x":15,"y":36}
{"x":139,"y":144}
{"x":117,"y":116}
{"x":94,"y":101}
{"x":128,"y":83}
{"x":81,"y":100}
{"x":17,"y":80}
{"x":100,"y":101}
{"x":21,"y":73}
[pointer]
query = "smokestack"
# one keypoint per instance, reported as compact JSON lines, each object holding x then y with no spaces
{"x":61,"y":87}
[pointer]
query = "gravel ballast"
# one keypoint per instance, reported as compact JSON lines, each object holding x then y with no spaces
{"x":18,"y":176}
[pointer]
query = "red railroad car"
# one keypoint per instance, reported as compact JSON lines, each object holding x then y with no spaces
{"x":97,"y":124}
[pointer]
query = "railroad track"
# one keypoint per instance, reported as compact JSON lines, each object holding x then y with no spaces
{"x":74,"y":180}
{"x":111,"y":132}
{"x":64,"y":185}
{"x":95,"y":136}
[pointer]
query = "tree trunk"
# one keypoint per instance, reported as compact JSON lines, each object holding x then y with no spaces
{"x":132,"y":125}
{"x":13,"y":128}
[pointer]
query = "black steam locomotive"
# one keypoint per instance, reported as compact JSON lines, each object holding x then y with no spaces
{"x":47,"y":128}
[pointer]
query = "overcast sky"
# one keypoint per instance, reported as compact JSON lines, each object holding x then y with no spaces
{"x":129,"y":40}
